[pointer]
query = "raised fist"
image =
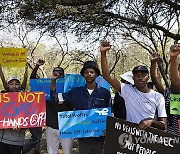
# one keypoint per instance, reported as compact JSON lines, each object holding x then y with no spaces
{"x":105,"y":45}
{"x":175,"y":50}
{"x":40,"y":62}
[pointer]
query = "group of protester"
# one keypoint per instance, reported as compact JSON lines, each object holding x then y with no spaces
{"x":139,"y":103}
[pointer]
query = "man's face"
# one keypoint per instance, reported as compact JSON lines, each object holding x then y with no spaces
{"x":90,"y":75}
{"x":140,"y":79}
{"x":14,"y":85}
{"x":59,"y":74}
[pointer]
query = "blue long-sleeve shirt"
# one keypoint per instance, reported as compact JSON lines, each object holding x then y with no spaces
{"x":81,"y":99}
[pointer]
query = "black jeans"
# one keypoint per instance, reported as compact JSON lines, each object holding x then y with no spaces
{"x":10,"y":149}
{"x":90,"y":147}
{"x":34,"y":142}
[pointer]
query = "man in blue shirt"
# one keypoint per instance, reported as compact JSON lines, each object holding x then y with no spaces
{"x":83,"y":98}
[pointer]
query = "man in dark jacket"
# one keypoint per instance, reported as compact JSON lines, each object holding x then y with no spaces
{"x":83,"y":98}
{"x":52,"y":135}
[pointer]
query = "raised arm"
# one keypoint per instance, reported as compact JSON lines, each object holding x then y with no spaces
{"x":153,"y":71}
{"x":24,"y":83}
{"x":53,"y":80}
{"x":53,"y":93}
{"x":34,"y":71}
{"x":3,"y":79}
{"x":105,"y":46}
{"x":174,"y":72}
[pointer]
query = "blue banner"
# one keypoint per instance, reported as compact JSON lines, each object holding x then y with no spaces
{"x":83,"y":123}
{"x":102,"y":82}
{"x":77,"y":80}
{"x":44,"y":84}
{"x":72,"y":81}
{"x":63,"y":85}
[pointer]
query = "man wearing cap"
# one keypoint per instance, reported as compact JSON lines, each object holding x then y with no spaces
{"x":83,"y":98}
{"x":5,"y":83}
{"x":141,"y":102}
{"x":36,"y":133}
{"x":52,"y":133}
{"x":52,"y":129}
{"x":12,"y":140}
{"x":13,"y":84}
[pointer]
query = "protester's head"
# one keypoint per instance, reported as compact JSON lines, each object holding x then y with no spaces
{"x":90,"y":70}
{"x":140,"y":68}
{"x":14,"y":84}
{"x":140,"y":76}
{"x":127,"y":78}
{"x":58,"y":71}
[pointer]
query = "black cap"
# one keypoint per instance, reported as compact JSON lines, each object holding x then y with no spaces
{"x":90,"y":64}
{"x":140,"y":68}
{"x":58,"y":69}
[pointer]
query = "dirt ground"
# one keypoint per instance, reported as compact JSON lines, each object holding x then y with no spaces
{"x":43,"y":145}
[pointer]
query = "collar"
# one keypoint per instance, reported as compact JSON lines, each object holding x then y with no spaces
{"x":95,"y":89}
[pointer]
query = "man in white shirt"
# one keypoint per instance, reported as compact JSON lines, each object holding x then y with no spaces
{"x":142,"y":103}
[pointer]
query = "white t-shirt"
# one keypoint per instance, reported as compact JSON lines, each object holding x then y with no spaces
{"x":90,"y":91}
{"x":141,"y":105}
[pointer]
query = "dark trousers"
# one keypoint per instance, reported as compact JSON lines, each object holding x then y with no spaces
{"x":34,"y":142}
{"x":90,"y":147}
{"x":10,"y":149}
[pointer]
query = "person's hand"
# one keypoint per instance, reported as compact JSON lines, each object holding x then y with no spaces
{"x":40,"y":62}
{"x":146,"y":123}
{"x":17,"y":128}
{"x":175,"y":50}
{"x":105,"y":46}
{"x":104,"y":133}
{"x":55,"y":75}
{"x":155,"y":56}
